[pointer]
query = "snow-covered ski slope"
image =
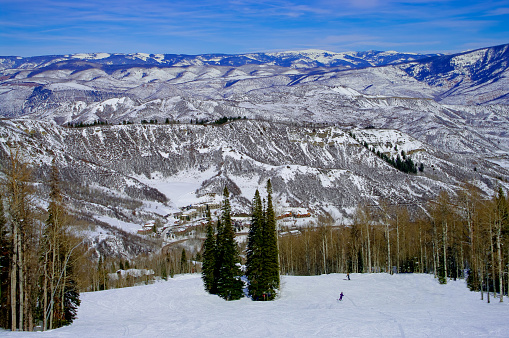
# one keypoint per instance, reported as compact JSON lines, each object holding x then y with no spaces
{"x":405,"y":305}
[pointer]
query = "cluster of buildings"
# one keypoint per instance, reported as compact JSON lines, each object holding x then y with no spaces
{"x":295,"y":213}
{"x":184,"y":221}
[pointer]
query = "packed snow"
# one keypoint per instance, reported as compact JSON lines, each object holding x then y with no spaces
{"x":126,"y":226}
{"x":404,"y":305}
{"x":180,"y":189}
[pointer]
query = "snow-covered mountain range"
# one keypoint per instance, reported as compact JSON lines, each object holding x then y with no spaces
{"x":305,"y":120}
{"x":77,"y":87}
{"x":291,"y":59}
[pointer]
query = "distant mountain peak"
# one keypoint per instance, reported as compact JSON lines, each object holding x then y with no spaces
{"x":87,"y":56}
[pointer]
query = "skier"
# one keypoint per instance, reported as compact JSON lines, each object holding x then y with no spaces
{"x":348,"y":276}
{"x":341,"y":296}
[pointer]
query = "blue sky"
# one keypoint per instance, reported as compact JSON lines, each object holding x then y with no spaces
{"x":29,"y":28}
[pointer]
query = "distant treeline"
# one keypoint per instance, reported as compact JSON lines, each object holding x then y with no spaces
{"x":83,"y":124}
{"x":219,"y":121}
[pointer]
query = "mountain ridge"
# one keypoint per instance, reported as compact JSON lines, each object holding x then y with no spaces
{"x":305,"y":58}
{"x":307,"y":165}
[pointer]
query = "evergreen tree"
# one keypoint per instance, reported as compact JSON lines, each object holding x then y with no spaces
{"x":254,"y":263}
{"x":399,"y":163}
{"x":71,"y":301}
{"x":183,"y":262}
{"x":262,"y":266}
{"x":271,"y":256}
{"x":229,"y":283}
{"x":218,"y":254}
{"x":101,"y":273}
{"x":209,"y":258}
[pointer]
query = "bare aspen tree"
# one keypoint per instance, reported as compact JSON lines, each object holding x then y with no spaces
{"x":492,"y":255}
{"x":500,"y":210}
{"x":363,"y":218}
{"x":385,"y":217}
{"x":467,"y":202}
{"x":57,"y":247}
{"x":18,"y":193}
{"x":440,"y":212}
{"x":444,"y":246}
{"x":14,"y":275}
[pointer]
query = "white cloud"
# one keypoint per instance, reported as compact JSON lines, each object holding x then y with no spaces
{"x":498,"y":11}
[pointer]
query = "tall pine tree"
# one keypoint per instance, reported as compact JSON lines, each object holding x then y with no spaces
{"x":219,"y":253}
{"x":262,"y":266}
{"x":271,"y":256}
{"x":229,"y":283}
{"x":209,"y":258}
{"x":254,"y":263}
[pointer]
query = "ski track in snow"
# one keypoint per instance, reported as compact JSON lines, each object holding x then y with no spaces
{"x":375,"y":305}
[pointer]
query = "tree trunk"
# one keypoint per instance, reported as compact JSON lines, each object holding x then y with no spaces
{"x":62,"y":302}
{"x":389,"y":263}
{"x":369,"y":247}
{"x":53,"y":276}
{"x":421,"y":260}
{"x":14,"y":276}
{"x":27,"y":309}
{"x":45,"y":293}
{"x":488,"y":284}
{"x":21,"y":282}
{"x":499,"y":254}
{"x":435,"y":249}
{"x":397,"y":244}
{"x":492,"y":255}
{"x":324,"y":254}
{"x":444,"y":242}
{"x":473,"y":267}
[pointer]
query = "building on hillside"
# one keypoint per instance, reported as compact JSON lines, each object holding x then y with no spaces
{"x":285,"y":214}
{"x":300,"y":213}
{"x":294,"y":212}
{"x":196,"y":211}
{"x":146,"y":230}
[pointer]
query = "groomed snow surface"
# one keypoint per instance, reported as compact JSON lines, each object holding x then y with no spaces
{"x":405,"y":305}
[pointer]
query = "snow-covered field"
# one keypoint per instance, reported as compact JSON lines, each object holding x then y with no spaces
{"x":406,"y":305}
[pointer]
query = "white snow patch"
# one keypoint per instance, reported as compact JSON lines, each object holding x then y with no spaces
{"x":179,"y":189}
{"x":130,"y":272}
{"x":503,"y":162}
{"x":127,"y":227}
{"x":346,"y":91}
{"x":67,"y":86}
{"x":92,"y":56}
